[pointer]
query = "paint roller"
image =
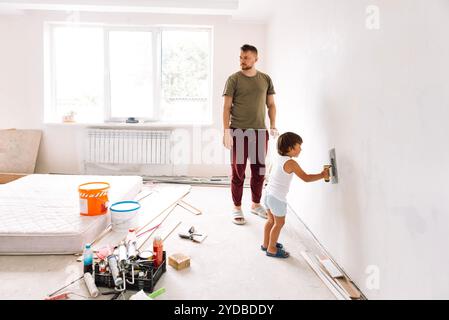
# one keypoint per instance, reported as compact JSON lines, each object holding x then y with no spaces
{"x":90,"y":283}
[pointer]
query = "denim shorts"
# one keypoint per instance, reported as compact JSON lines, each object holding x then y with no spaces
{"x":277,"y":207}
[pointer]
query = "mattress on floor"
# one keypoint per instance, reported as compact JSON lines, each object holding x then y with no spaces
{"x":39,"y":213}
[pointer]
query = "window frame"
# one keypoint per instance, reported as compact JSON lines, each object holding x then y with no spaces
{"x":107,"y":71}
{"x":157,"y":30}
{"x":208,"y":29}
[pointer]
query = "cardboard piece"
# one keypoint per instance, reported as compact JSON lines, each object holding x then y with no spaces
{"x":330,"y":267}
{"x":343,"y":282}
{"x":179,"y":261}
{"x":18,"y":150}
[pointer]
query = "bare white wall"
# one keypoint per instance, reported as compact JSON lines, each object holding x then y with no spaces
{"x":381,"y":98}
{"x":21,"y":79}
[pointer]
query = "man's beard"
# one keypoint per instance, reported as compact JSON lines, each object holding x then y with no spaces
{"x":246,"y":67}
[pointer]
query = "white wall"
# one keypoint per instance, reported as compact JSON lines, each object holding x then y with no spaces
{"x":381,"y":98}
{"x":21,"y":78}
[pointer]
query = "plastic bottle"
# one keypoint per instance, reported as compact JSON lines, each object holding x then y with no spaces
{"x":122,"y":254}
{"x":102,"y":266}
{"x":88,"y":259}
{"x":158,"y":251}
{"x":131,"y":240}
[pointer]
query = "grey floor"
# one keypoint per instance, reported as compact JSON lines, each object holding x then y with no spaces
{"x":227,"y":265}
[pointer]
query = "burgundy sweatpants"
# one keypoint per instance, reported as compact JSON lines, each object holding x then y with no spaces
{"x":252,"y":144}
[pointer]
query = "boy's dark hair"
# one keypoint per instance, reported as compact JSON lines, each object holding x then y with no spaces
{"x":248,"y":47}
{"x":287,"y":141}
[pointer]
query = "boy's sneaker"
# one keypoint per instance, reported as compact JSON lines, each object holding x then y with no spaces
{"x":278,"y":245}
{"x":280,"y":253}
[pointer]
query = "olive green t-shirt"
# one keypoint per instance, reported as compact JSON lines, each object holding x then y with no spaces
{"x":249,"y":98}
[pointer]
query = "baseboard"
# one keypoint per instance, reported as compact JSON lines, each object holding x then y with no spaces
{"x":324,"y":250}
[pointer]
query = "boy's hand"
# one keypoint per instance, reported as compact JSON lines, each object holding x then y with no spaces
{"x":274,"y":132}
{"x":227,"y":139}
{"x":326,"y":174}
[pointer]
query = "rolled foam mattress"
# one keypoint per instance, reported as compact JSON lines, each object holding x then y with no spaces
{"x":40,"y":213}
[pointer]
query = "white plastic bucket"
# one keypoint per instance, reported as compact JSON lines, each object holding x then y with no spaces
{"x":124,"y":215}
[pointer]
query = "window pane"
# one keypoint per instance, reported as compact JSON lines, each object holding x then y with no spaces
{"x":185,"y":76}
{"x":131,"y":72}
{"x":78,"y":72}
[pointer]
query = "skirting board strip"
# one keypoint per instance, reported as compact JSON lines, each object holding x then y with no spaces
{"x":324,"y":251}
{"x":336,"y":292}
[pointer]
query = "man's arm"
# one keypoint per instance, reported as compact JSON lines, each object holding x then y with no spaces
{"x":227,"y":137}
{"x":271,"y":111}
{"x":227,"y":112}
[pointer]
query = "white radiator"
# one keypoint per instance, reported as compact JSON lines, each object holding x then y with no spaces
{"x":110,"y":146}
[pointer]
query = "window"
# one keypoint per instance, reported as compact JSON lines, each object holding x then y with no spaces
{"x":108,"y":73}
{"x":131,"y":74}
{"x":78,"y":73}
{"x":185,"y":74}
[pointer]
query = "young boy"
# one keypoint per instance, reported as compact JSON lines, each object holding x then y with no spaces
{"x":289,"y":146}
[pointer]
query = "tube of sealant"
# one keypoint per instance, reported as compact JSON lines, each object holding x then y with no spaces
{"x":113,"y":267}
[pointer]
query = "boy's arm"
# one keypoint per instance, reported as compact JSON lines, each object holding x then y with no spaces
{"x":292,"y":166}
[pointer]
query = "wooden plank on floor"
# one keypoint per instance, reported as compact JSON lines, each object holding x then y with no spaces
{"x":155,"y":205}
{"x":323,"y":277}
{"x":160,"y":200}
{"x":8,"y":177}
{"x":347,"y":285}
{"x":189,"y":207}
{"x":333,"y":271}
{"x":143,"y":239}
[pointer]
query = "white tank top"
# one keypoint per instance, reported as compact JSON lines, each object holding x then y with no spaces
{"x":279,"y":180}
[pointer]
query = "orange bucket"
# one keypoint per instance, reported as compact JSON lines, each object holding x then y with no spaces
{"x":94,"y":199}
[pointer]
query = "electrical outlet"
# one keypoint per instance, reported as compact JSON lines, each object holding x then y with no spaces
{"x":333,"y":162}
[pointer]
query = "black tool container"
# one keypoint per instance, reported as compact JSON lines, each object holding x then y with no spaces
{"x":146,"y":283}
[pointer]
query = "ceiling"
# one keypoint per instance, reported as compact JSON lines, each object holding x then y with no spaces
{"x":244,"y":10}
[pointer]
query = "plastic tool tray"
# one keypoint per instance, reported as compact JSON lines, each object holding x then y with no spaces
{"x":146,"y":283}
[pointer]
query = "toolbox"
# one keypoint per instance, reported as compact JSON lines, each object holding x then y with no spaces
{"x":145,"y":283}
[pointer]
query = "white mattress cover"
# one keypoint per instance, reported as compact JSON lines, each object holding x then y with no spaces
{"x":39,"y":213}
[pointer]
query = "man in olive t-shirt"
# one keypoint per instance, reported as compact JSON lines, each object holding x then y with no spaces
{"x":247,"y":94}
